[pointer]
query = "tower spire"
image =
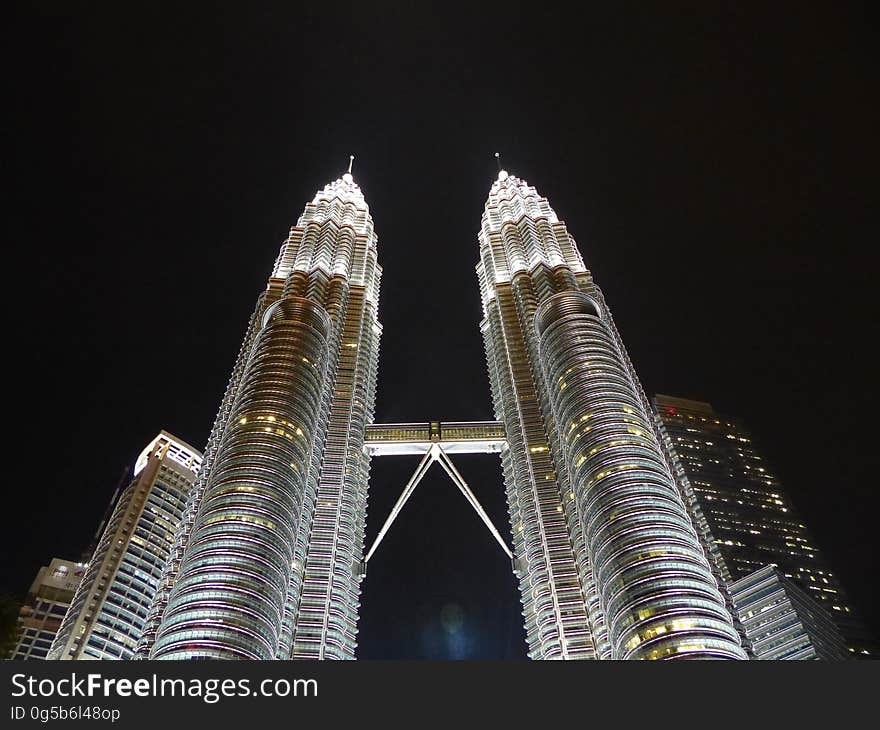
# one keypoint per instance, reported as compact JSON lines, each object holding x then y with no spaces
{"x":502,"y":173}
{"x":348,"y":176}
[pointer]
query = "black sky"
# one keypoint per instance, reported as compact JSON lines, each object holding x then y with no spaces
{"x":717,"y":167}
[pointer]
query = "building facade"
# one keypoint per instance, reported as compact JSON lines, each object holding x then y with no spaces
{"x":266,"y":562}
{"x":610,"y":565}
{"x":268,"y":558}
{"x":44,"y":608}
{"x":744,"y":515}
{"x":107,"y":615}
{"x":780,"y":621}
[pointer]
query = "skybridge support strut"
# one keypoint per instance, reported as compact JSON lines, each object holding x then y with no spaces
{"x":410,"y":487}
{"x":456,"y":477}
{"x":436,"y":453}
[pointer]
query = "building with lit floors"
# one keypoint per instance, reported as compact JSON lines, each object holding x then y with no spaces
{"x":266,"y":563}
{"x":107,"y":614}
{"x":744,"y":515}
{"x":780,"y":621}
{"x":269,"y":557}
{"x":609,"y":563}
{"x":44,"y":607}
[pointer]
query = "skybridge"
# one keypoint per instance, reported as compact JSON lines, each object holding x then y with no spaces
{"x":454,"y":437}
{"x":435,"y":441}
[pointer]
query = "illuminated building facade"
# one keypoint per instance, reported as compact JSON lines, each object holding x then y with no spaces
{"x":744,"y":515}
{"x":266,"y":563}
{"x":609,"y":563}
{"x":269,"y":556}
{"x":47,"y":601}
{"x":108,"y":612}
{"x":780,"y":621}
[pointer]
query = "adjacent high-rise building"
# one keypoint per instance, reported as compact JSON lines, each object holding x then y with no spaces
{"x":609,"y":562}
{"x":44,"y":607}
{"x":267,"y":561}
{"x":743,"y":514}
{"x":780,"y":621}
{"x":107,"y":615}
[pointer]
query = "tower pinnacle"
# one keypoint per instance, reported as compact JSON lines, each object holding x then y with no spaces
{"x":502,"y":174}
{"x":347,"y":177}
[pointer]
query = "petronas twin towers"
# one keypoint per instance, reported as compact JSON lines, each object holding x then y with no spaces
{"x":269,"y":558}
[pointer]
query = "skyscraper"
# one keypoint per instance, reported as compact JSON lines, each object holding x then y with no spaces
{"x":269,"y":557}
{"x":44,"y":607}
{"x":107,"y":615}
{"x":745,"y":517}
{"x":780,"y":621}
{"x":610,"y":565}
{"x":266,"y":563}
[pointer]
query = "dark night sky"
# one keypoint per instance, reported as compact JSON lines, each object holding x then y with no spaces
{"x":717,"y":168}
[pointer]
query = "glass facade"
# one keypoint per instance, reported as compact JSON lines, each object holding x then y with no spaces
{"x":266,"y":561}
{"x":108,"y":612}
{"x":780,"y":621}
{"x":609,"y":562}
{"x":747,"y":519}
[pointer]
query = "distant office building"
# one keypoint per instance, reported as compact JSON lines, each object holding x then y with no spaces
{"x":742,"y":512}
{"x":107,"y":615}
{"x":781,"y":621}
{"x":44,"y":608}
